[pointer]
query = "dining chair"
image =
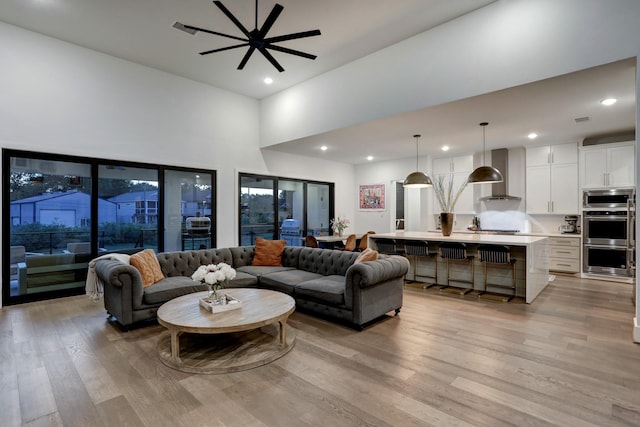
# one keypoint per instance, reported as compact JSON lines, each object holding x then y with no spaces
{"x":364,"y":243}
{"x":350,"y":245}
{"x":311,"y":242}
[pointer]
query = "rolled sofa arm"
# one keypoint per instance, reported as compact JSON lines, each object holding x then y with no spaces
{"x":123,"y":289}
{"x":116,"y":273}
{"x":370,"y":273}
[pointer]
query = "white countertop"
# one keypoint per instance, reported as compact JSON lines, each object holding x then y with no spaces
{"x":499,"y":239}
{"x":554,"y":234}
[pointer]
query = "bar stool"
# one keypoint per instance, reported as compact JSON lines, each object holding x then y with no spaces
{"x":386,"y":246}
{"x":497,"y":256}
{"x":419,"y":249}
{"x":454,"y":252}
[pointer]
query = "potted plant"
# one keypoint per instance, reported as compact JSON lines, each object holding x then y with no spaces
{"x":447,"y":197}
{"x":338,"y":225}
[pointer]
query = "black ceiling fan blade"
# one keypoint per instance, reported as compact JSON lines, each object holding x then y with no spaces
{"x":246,"y":57}
{"x":271,"y":59}
{"x":224,"y":48}
{"x":292,"y":36}
{"x":271,"y":19}
{"x":291,"y":51}
{"x":232,"y":18}
{"x":215,"y":33}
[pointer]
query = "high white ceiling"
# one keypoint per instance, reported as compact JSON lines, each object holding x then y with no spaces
{"x":141,"y":31}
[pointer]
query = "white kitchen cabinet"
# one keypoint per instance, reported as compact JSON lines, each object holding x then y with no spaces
{"x":457,"y":169}
{"x":552,"y":179}
{"x":608,"y":166}
{"x":552,"y":154}
{"x":564,"y":254}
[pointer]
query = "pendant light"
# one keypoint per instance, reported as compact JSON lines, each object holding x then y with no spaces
{"x":484,"y":174}
{"x":417,"y":179}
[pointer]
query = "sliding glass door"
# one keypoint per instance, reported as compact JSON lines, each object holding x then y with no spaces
{"x":283,"y":208}
{"x":319,"y":209}
{"x":49,"y":225}
{"x":189,"y":210}
{"x":131,"y":220}
{"x":59,"y":212}
{"x":257,"y":209}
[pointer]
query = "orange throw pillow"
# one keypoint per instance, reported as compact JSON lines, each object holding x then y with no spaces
{"x":268,"y":252}
{"x":148,"y":266}
{"x":367,"y":255}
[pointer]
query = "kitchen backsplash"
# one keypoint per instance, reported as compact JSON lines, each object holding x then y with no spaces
{"x":509,"y":220}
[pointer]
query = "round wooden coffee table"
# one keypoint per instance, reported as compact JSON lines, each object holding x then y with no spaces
{"x":203,"y":342}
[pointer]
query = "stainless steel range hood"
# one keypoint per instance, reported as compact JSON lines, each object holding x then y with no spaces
{"x":500,"y":161}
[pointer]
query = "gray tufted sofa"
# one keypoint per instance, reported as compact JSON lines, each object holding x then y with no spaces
{"x":322,"y":281}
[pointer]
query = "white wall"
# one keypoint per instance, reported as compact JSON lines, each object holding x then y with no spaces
{"x":58,"y":97}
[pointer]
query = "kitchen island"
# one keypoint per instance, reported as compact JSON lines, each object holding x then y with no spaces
{"x":531,"y":252}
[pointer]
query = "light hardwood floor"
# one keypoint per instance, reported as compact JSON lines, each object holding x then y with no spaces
{"x":567,"y":359}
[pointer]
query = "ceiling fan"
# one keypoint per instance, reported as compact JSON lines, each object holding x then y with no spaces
{"x":255,"y":39}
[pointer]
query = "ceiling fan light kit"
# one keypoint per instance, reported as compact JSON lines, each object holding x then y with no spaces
{"x":484,"y":174}
{"x":417,"y":179}
{"x":255,"y":39}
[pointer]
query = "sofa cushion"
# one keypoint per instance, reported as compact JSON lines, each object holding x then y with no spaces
{"x":286,"y":281}
{"x":243,"y":280}
{"x":147,"y":264}
{"x":170,"y":288}
{"x":268,"y":252}
{"x":259,"y":271}
{"x":326,"y":289}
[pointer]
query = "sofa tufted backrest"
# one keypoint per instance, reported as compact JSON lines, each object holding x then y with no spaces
{"x":291,"y":256}
{"x":185,"y":263}
{"x":243,"y":256}
{"x":325,"y":262}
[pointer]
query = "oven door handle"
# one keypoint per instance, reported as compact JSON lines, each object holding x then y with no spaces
{"x":631,"y":226}
{"x":601,"y":246}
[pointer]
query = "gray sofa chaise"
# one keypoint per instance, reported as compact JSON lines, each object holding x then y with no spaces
{"x":322,"y":281}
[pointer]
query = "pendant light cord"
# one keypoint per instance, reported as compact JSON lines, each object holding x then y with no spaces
{"x":484,"y":141}
{"x":416,"y":137}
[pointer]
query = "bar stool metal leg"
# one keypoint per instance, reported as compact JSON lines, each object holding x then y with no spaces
{"x":498,"y":256}
{"x":417,"y":250}
{"x":457,"y":253}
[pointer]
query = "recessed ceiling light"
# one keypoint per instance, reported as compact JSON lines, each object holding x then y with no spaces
{"x":445,"y":148}
{"x":532,"y":135}
{"x":369,"y":158}
{"x":608,"y":101}
{"x":268,"y":80}
{"x":324,"y":148}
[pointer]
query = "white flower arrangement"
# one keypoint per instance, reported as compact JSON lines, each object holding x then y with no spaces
{"x":447,"y":197}
{"x":214,"y":275}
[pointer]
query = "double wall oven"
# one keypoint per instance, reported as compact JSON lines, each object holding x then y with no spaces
{"x":609,"y":232}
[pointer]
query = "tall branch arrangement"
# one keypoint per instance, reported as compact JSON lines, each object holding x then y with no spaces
{"x":447,"y":197}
